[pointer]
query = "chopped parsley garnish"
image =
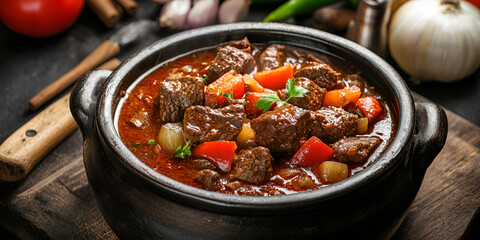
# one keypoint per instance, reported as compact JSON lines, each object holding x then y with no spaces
{"x":229,"y":96}
{"x":151,"y":142}
{"x":183,"y":152}
{"x":205,"y":79}
{"x":266,"y":101}
{"x":135,"y":146}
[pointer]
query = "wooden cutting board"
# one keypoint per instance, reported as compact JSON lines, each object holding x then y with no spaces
{"x":55,"y":201}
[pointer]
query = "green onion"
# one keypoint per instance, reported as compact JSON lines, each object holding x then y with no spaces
{"x":296,"y":7}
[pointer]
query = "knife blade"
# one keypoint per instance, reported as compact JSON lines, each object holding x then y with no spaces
{"x":22,"y":150}
{"x":106,"y":50}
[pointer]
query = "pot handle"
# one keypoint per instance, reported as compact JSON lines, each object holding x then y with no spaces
{"x":84,"y":98}
{"x":431,"y":128}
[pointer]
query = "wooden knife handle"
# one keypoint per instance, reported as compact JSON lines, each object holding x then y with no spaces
{"x":103,"y":52}
{"x":31,"y":142}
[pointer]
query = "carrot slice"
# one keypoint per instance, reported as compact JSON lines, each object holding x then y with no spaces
{"x":341,"y":97}
{"x":276,"y":78}
{"x":252,"y":85}
{"x":370,"y":107}
{"x":229,"y":83}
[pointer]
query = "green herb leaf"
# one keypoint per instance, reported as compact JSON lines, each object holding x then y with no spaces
{"x":229,"y":96}
{"x":266,"y":101}
{"x":205,"y":79}
{"x":360,"y":113}
{"x":151,"y":142}
{"x":183,"y":152}
{"x":290,"y":86}
{"x":280,"y":103}
{"x":135,"y":146}
{"x":294,"y":91}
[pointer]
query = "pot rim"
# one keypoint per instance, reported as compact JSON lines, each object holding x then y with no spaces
{"x":405,"y":126}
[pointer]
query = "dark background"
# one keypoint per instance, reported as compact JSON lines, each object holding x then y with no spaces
{"x":27,"y":65}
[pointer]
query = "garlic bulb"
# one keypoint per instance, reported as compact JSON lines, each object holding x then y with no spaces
{"x":436,"y":39}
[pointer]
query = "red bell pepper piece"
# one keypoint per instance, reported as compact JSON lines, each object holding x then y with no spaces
{"x":228,"y":83}
{"x":311,"y":153}
{"x":275,"y":78}
{"x":251,"y":109}
{"x":370,"y":107}
{"x":220,"y":153}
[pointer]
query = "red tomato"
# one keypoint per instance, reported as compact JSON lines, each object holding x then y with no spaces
{"x":475,"y":2}
{"x":39,"y":18}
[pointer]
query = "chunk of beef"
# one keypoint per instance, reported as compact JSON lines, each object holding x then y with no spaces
{"x":321,"y":74}
{"x":355,"y":80}
{"x":332,"y":123}
{"x":282,"y":129}
{"x":252,"y":166}
{"x":201,"y":164}
{"x":354,"y":149}
{"x":205,"y":124}
{"x":230,"y":58}
{"x":241,"y":44}
{"x":208,"y":179}
{"x":314,"y":60}
{"x":310,"y":101}
{"x":273,"y":57}
{"x":176,"y":95}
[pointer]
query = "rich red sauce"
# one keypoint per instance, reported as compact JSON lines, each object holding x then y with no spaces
{"x":141,"y":100}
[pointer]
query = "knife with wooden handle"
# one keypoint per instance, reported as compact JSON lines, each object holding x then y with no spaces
{"x":20,"y":152}
{"x":103,"y":52}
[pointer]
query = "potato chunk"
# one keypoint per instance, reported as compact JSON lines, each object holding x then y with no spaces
{"x":331,"y":172}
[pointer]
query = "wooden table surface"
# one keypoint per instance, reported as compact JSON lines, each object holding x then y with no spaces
{"x":55,"y":201}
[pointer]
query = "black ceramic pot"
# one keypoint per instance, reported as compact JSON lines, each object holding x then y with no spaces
{"x":138,"y":202}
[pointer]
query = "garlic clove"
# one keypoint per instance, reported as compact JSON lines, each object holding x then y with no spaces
{"x":203,"y":13}
{"x":233,"y":11}
{"x":174,"y":14}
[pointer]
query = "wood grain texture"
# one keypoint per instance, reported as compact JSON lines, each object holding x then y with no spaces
{"x":54,"y":201}
{"x":450,"y":193}
{"x":31,"y":142}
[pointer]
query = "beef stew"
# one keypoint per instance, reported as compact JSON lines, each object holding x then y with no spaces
{"x":321,"y":122}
